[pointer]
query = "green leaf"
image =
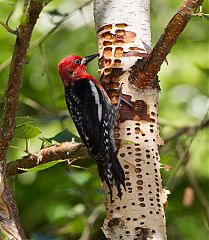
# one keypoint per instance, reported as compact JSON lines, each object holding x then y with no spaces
{"x":42,"y":166}
{"x":63,"y":137}
{"x":25,"y":131}
{"x":23,"y":120}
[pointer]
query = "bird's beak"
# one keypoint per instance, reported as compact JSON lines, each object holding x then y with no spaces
{"x":88,"y":59}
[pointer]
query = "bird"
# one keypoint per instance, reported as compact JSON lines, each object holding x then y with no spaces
{"x":95,"y":118}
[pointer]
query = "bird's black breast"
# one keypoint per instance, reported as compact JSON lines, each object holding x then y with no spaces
{"x":89,"y":110}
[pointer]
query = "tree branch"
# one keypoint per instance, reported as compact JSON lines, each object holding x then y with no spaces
{"x":200,"y":195}
{"x":90,"y":223}
{"x":59,"y":151}
{"x":184,"y":160}
{"x":71,"y":150}
{"x":43,"y":38}
{"x":148,"y":68}
{"x":189,"y":129}
{"x":10,"y":223}
{"x":15,"y":75}
{"x":184,"y":164}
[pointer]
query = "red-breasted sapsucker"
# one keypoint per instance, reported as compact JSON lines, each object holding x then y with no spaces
{"x":94,"y":117}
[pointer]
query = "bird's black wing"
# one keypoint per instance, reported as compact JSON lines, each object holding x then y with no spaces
{"x":91,"y":112}
{"x":94,"y":117}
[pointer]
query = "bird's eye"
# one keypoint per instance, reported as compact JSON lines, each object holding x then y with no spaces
{"x":77,"y":61}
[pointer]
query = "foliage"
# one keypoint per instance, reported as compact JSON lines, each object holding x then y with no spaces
{"x":72,"y":194}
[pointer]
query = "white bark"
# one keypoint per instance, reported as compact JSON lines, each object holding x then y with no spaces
{"x":123,"y":33}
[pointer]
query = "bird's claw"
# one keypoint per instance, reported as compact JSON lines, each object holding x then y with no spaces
{"x":38,"y":157}
{"x":121,"y":99}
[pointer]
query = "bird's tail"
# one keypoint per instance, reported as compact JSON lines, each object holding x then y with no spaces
{"x":113,"y":175}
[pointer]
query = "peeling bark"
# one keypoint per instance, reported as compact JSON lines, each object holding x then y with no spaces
{"x":123,"y":33}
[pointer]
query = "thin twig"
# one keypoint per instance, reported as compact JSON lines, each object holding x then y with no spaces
{"x":42,"y":39}
{"x":203,"y":201}
{"x":200,"y":14}
{"x":6,"y":25}
{"x":50,"y":85}
{"x":57,"y":25}
{"x":183,"y":163}
{"x":87,"y":232}
{"x":186,"y":130}
{"x":184,"y":160}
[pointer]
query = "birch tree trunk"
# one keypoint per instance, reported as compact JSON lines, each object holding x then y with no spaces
{"x":123,"y":33}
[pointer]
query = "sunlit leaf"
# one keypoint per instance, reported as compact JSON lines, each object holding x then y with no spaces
{"x":25,"y":131}
{"x":23,"y":120}
{"x":42,"y":166}
{"x":76,"y":166}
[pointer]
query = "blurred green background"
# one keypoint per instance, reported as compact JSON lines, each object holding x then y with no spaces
{"x":58,"y":202}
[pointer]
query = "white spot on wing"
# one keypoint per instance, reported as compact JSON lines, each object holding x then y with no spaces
{"x":97,"y":101}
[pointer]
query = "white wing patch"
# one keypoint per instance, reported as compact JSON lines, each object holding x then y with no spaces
{"x":97,"y":101}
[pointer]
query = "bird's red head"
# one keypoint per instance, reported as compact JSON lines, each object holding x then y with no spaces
{"x":73,"y":68}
